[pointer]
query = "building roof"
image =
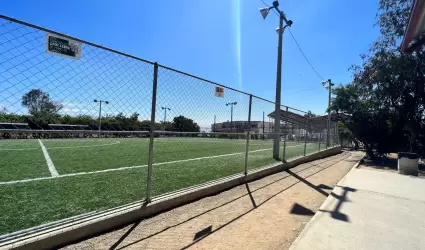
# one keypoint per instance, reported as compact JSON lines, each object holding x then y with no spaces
{"x":415,"y":31}
{"x":294,"y":118}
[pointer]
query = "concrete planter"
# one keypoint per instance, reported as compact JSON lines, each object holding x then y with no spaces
{"x":408,"y":163}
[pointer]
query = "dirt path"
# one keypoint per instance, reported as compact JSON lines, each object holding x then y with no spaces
{"x":265,"y":214}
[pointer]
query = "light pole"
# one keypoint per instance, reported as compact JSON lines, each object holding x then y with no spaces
{"x":264,"y":12}
{"x":165,"y":114}
{"x":100,"y":112}
{"x":231,"y":104}
{"x":329,"y":88}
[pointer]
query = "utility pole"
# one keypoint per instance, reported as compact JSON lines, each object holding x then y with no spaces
{"x":100,"y":113}
{"x":329,"y":87}
{"x":280,"y":30}
{"x":231,"y":104}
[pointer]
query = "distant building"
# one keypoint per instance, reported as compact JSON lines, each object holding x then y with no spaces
{"x":257,"y":127}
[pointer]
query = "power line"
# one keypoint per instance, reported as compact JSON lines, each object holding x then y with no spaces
{"x":303,"y":90}
{"x":296,"y":42}
{"x":305,"y":57}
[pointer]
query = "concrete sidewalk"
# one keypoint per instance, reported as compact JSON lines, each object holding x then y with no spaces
{"x":369,"y":209}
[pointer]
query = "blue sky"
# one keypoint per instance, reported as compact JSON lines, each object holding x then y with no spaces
{"x":224,"y":41}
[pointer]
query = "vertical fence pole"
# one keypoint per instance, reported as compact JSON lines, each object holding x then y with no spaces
{"x":339,"y":137}
{"x":327,"y":134}
{"x":335,"y":135}
{"x":284,"y":140}
{"x":214,"y":130}
{"x":263,"y":124}
{"x":152,"y":133}
{"x":306,"y":134}
{"x":305,"y":141}
{"x":248,"y":135}
{"x":320,"y":133}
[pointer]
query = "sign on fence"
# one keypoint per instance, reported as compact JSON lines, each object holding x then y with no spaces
{"x":219,"y":91}
{"x":62,"y":46}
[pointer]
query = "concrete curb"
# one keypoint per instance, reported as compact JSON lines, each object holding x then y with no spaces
{"x":358,"y":163}
{"x":322,"y":207}
{"x":108,"y":220}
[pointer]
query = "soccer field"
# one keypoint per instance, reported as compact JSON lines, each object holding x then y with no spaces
{"x":51,"y":179}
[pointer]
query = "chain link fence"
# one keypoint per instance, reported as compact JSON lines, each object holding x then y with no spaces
{"x":88,"y":128}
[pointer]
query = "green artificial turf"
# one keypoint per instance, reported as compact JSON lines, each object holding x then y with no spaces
{"x":178,"y":163}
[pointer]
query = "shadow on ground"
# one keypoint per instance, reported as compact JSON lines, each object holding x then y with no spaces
{"x":389,"y":163}
{"x":205,"y":232}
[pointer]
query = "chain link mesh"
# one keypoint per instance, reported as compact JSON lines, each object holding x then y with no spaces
{"x":74,"y":133}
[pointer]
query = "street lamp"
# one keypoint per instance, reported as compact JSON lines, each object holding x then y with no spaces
{"x":100,"y":112}
{"x":165,"y":113}
{"x":329,"y":88}
{"x":264,"y":12}
{"x":231,"y":104}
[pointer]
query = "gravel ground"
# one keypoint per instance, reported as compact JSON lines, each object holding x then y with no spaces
{"x":266,"y":214}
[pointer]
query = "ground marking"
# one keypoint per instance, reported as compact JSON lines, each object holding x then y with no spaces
{"x":17,"y":149}
{"x":49,"y":161}
{"x":88,"y":146}
{"x":77,"y":146}
{"x":131,"y":167}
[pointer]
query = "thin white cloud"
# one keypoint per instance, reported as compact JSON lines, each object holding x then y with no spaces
{"x":70,"y":108}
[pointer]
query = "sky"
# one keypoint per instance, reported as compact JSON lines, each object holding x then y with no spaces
{"x":224,"y":41}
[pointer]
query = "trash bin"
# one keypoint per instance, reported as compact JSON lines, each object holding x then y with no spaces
{"x":407,"y":163}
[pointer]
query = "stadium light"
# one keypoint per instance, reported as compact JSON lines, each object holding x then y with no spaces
{"x":165,"y":114}
{"x":231,"y":104}
{"x":329,"y":88}
{"x":100,"y":113}
{"x":264,"y":12}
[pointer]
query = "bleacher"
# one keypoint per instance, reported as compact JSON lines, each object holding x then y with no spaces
{"x":7,"y":127}
{"x":35,"y":130}
{"x":17,"y":126}
{"x":68,"y":127}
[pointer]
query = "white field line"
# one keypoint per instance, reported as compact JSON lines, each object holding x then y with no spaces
{"x":88,"y":146}
{"x":49,"y":161}
{"x":77,"y":146}
{"x":133,"y":167}
{"x":17,"y":149}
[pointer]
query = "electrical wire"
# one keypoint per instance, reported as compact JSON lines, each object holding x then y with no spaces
{"x":305,"y":57}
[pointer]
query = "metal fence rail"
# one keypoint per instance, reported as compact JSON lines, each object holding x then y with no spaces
{"x":87,"y":116}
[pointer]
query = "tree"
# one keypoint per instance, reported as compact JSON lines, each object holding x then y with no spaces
{"x":383,"y":107}
{"x":183,"y":124}
{"x":41,"y":107}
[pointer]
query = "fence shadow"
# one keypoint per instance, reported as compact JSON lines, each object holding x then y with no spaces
{"x":204,"y":232}
{"x":307,"y":183}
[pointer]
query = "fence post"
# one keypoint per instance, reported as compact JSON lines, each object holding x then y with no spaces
{"x":248,"y":135}
{"x":337,"y":132}
{"x":306,"y":134}
{"x":327,"y":134}
{"x":320,"y":134}
{"x":152,"y":133}
{"x":305,"y":141}
{"x":284,"y":139}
